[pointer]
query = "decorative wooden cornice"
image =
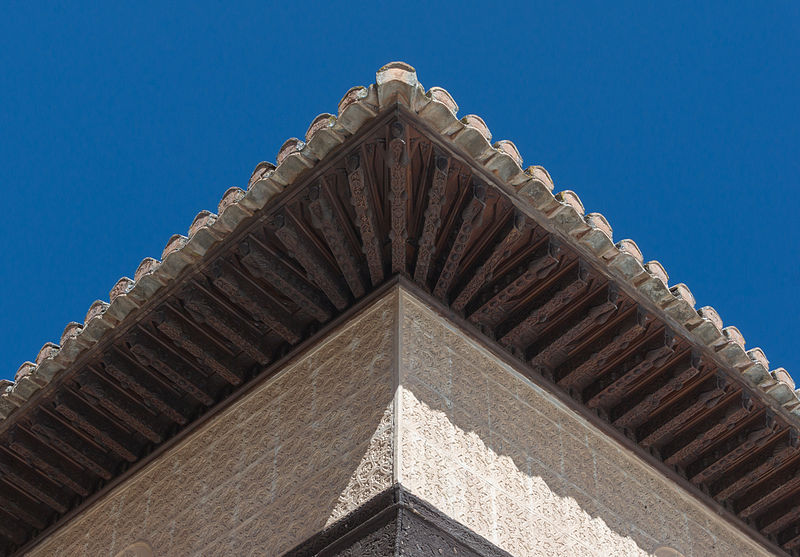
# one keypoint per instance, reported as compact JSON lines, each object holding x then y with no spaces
{"x":397,"y":185}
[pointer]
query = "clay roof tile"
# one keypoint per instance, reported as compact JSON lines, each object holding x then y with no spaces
{"x":48,"y":350}
{"x":97,"y":308}
{"x":71,"y":331}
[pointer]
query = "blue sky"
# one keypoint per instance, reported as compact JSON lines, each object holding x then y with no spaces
{"x":679,"y":123}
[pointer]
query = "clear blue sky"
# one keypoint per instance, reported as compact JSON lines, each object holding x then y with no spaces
{"x":680,"y":124}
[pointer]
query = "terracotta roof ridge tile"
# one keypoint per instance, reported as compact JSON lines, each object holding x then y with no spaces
{"x":397,"y":83}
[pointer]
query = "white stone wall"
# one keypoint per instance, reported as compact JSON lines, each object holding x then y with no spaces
{"x":289,"y":458}
{"x":469,"y":435}
{"x":508,"y":460}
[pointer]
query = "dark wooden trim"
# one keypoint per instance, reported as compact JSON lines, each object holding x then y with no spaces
{"x":396,"y":522}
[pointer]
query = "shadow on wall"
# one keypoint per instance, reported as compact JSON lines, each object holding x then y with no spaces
{"x":316,"y":443}
{"x":513,"y":464}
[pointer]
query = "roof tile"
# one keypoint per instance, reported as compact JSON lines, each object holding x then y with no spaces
{"x":443,"y":96}
{"x":629,"y":266}
{"x":261,"y":171}
{"x":322,"y":137}
{"x":123,"y":286}
{"x":507,"y":146}
{"x":629,"y":246}
{"x":439,"y":115}
{"x":48,"y":350}
{"x":712,"y":315}
{"x":758,"y":372}
{"x":24,"y":370}
{"x":733,"y":334}
{"x":230,"y":197}
{"x":571,"y":198}
{"x":175,"y":243}
{"x":71,"y":331}
{"x":783,"y":376}
{"x":260,"y":193}
{"x":780,"y":391}
{"x":203,"y":218}
{"x":290,"y":146}
{"x":598,"y":221}
{"x":503,"y":165}
{"x":682,"y":292}
{"x":539,"y":195}
{"x":25,"y":388}
{"x":47,"y":370}
{"x":568,"y":219}
{"x":473,"y":139}
{"x":147,"y":266}
{"x":657,"y":270}
{"x":357,"y":107}
{"x":397,"y":82}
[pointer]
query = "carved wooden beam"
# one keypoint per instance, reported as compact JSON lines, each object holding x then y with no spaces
{"x":520,"y":227}
{"x":785,"y":520}
{"x":149,"y":353}
{"x":204,"y":309}
{"x":254,"y":302}
{"x":764,"y":502}
{"x":470,"y":218}
{"x":324,"y":219}
{"x":151,"y":391}
{"x":123,"y":409}
{"x":707,"y":400}
{"x":35,"y":484}
{"x":420,"y":187}
{"x":364,"y":207}
{"x":50,"y":463}
{"x":433,"y":220}
{"x":779,"y":456}
{"x":260,"y":263}
{"x":792,"y":544}
{"x":618,"y":390}
{"x":58,"y":436}
{"x":24,"y":508}
{"x":200,"y":348}
{"x":318,"y":270}
{"x":493,"y":311}
{"x":721,"y":461}
{"x":580,"y":377}
{"x":732,"y":418}
{"x":399,"y":183}
{"x":530,"y":328}
{"x":97,"y":426}
{"x":639,"y":413}
{"x":559,"y":350}
{"x":11,"y":528}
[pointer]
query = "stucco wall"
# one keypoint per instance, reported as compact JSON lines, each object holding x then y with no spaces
{"x":508,"y":460}
{"x":475,"y":439}
{"x":290,"y":457}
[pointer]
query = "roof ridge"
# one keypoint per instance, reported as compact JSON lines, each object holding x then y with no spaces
{"x":397,"y":83}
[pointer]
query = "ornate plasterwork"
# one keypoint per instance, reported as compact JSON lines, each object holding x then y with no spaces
{"x":512,"y":463}
{"x":285,"y":461}
{"x":398,"y":394}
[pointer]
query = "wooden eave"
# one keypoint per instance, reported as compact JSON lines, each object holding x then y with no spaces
{"x":397,"y":188}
